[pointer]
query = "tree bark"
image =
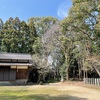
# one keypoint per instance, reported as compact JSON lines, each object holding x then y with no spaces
{"x":67,"y":74}
{"x":98,"y":72}
{"x":80,"y":70}
{"x":79,"y":73}
{"x":84,"y":73}
{"x":62,"y":78}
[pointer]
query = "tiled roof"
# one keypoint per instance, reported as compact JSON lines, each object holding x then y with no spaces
{"x":15,"y":56}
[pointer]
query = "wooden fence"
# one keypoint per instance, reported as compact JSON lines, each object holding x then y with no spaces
{"x":92,"y":81}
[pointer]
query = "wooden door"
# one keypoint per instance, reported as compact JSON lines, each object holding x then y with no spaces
{"x":6,"y":73}
{"x":1,"y":73}
{"x":12,"y":75}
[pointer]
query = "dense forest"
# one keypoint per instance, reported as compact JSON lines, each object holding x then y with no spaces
{"x":67,"y":49}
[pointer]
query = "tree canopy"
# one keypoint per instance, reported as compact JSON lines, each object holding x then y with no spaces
{"x":73,"y":44}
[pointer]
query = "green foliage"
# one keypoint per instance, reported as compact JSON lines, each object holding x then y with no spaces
{"x":37,"y":46}
{"x":42,"y":24}
{"x":76,"y":38}
{"x":17,"y":36}
{"x":83,"y":22}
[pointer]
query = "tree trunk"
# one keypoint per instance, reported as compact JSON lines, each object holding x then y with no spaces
{"x":80,"y":73}
{"x":84,"y":69}
{"x":57,"y":74}
{"x":44,"y":77}
{"x":98,"y":72}
{"x":74,"y":72}
{"x":84,"y":73}
{"x":67,"y":74}
{"x":62,"y":78}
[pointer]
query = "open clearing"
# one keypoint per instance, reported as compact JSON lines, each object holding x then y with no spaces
{"x":56,"y":91}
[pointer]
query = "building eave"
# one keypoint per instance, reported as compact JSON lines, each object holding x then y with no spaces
{"x":15,"y":64}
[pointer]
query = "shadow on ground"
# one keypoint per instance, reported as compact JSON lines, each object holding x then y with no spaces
{"x":14,"y":83}
{"x":41,"y":97}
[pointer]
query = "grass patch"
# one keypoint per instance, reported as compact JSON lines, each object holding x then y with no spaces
{"x":41,"y":97}
{"x":35,"y":93}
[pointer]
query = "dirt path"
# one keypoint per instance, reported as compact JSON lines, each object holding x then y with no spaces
{"x":80,"y":90}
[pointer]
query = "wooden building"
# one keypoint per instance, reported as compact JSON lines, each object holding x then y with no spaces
{"x":14,"y":66}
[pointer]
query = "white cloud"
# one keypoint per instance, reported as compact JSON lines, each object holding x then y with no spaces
{"x":63,"y":9}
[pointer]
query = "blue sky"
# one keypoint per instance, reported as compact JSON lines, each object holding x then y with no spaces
{"x":24,"y":9}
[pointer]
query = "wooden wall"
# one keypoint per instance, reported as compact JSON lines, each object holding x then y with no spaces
{"x":7,"y":74}
{"x":22,"y":74}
